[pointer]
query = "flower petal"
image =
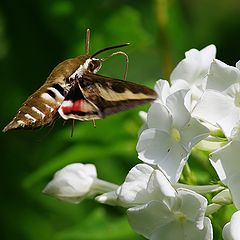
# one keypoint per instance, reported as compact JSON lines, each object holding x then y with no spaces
{"x":213,"y":106}
{"x":153,"y":145}
{"x":230,"y":122}
{"x":201,"y":189}
{"x":172,"y":165}
{"x":224,"y":197}
{"x":231,"y":230}
{"x":193,"y":233}
{"x":162,"y":88}
{"x":208,"y":54}
{"x":159,"y":186}
{"x":179,"y":85}
{"x":72,"y":183}
{"x":188,"y":231}
{"x":143,"y":116}
{"x":188,"y":68}
{"x":193,"y":133}
{"x":221,"y":76}
{"x":154,"y":221}
{"x":225,"y":160}
{"x":238,"y":65}
{"x":146,"y":219}
{"x":195,"y":66}
{"x":110,"y":198}
{"x":134,"y":189}
{"x":211,"y":144}
{"x":226,"y":234}
{"x":233,"y":184}
{"x":159,"y":117}
{"x":193,"y":206}
{"x":212,"y":208}
{"x":144,"y":184}
{"x":175,"y":103}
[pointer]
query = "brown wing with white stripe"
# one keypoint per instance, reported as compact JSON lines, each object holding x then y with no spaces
{"x":40,"y":108}
{"x":112,"y":95}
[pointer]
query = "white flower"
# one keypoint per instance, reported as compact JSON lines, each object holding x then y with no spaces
{"x":231,"y":230}
{"x":170,"y":136}
{"x":183,"y":220}
{"x":156,"y":210}
{"x":76,"y":182}
{"x":220,"y":104}
{"x":191,"y":72}
{"x":226,"y":161}
{"x":141,"y":185}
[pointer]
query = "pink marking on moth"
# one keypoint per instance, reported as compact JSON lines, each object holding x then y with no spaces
{"x":75,"y":107}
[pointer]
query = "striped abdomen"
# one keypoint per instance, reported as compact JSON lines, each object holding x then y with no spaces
{"x":40,"y":108}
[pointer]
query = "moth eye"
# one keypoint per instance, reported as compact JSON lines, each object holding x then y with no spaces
{"x":91,"y":67}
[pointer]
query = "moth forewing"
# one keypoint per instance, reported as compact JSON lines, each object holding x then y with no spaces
{"x":100,"y":96}
{"x":114,"y":89}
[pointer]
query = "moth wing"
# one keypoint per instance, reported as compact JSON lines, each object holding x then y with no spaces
{"x":76,"y":106}
{"x":113,"y":95}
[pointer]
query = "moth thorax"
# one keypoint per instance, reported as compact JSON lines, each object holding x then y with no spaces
{"x":90,"y":65}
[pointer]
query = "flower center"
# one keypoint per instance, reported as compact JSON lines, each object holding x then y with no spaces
{"x":237,"y":100}
{"x":175,"y":135}
{"x":180,"y":217}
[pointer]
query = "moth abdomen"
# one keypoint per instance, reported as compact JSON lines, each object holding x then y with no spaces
{"x":39,"y":109}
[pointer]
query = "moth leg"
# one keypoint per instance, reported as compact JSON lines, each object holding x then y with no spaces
{"x":94,"y":123}
{"x":73,"y":124}
{"x":126,"y":61}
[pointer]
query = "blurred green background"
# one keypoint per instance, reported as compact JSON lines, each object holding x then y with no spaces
{"x":37,"y":35}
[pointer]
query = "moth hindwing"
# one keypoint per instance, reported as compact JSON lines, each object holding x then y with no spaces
{"x":73,"y":90}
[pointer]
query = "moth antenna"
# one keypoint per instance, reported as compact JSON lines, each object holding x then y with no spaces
{"x":126,"y":60}
{"x":94,"y":123}
{"x":73,"y":123}
{"x":109,"y":48}
{"x":87,"y":41}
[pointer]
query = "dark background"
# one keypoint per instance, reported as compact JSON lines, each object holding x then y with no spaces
{"x":34,"y":37}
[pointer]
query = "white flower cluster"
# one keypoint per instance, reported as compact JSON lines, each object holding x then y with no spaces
{"x":200,"y":109}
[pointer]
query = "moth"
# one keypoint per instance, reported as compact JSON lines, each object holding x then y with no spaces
{"x":73,"y":90}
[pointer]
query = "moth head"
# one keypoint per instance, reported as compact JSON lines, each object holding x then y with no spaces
{"x":93,"y":65}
